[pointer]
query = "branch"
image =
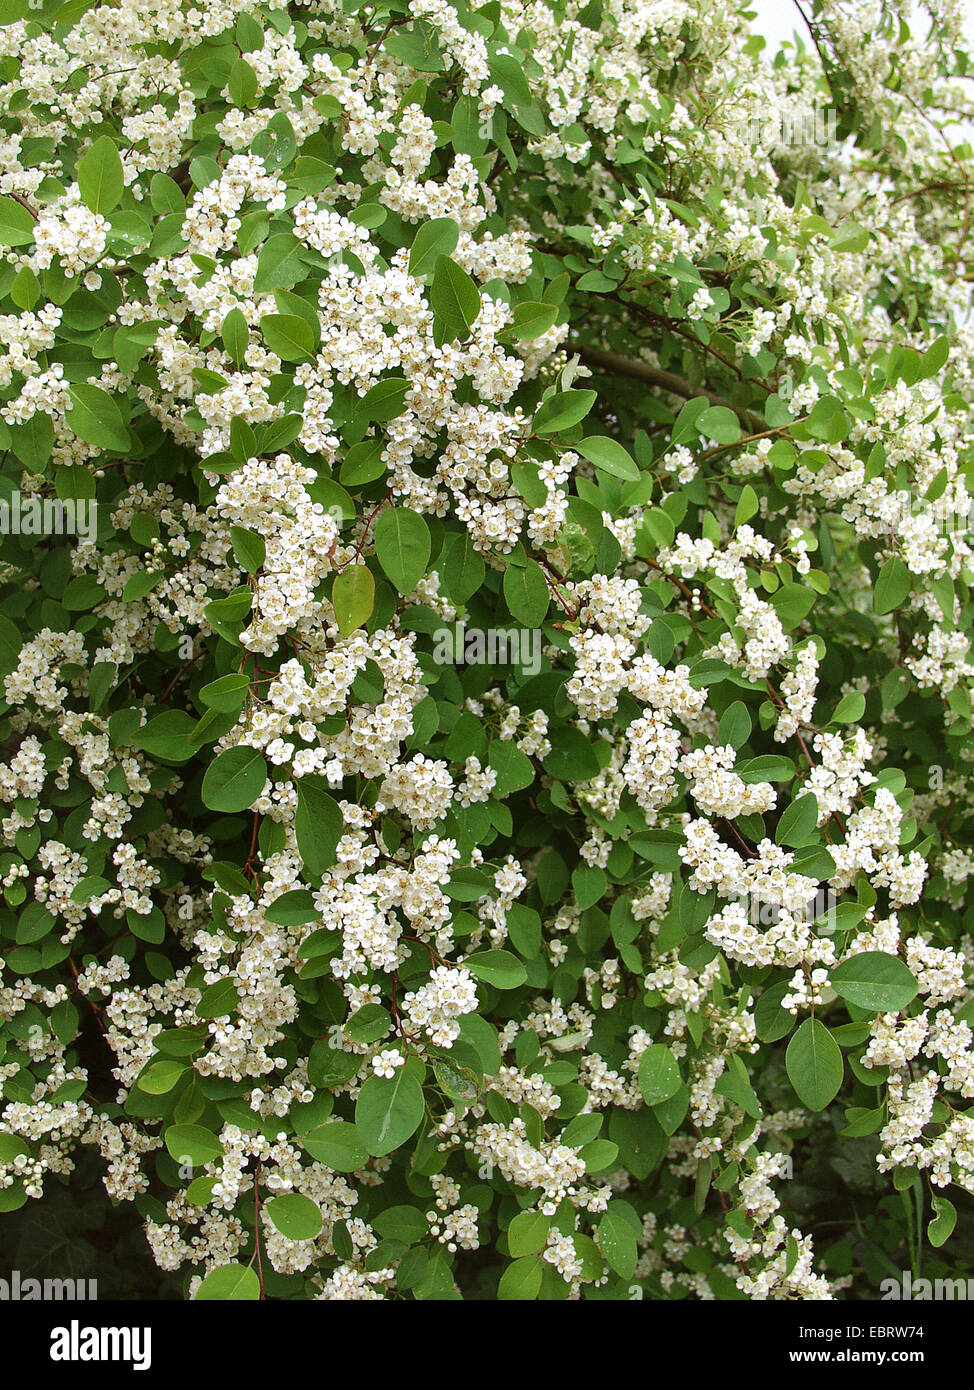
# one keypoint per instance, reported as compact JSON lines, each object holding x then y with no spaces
{"x":656,"y":376}
{"x":818,"y":47}
{"x":24,"y":203}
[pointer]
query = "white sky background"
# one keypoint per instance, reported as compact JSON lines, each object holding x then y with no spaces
{"x":778,"y":19}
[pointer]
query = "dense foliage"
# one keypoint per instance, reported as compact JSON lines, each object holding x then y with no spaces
{"x":485,"y":646}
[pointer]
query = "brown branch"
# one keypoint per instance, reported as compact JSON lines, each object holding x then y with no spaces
{"x":656,"y":376}
{"x":25,"y":203}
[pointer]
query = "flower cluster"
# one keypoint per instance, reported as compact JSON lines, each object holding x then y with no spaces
{"x":344,"y":950}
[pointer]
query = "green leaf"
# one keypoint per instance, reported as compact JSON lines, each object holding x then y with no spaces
{"x":402,"y":545}
{"x":466,"y":885}
{"x":433,"y":239}
{"x":814,"y":861}
{"x":892,"y":586}
{"x":618,"y":1232}
{"x":33,"y":442}
{"x":797,"y":822}
{"x":581,"y":1130}
{"x":945,"y":1218}
{"x":290,"y":337}
{"x":659,"y":1074}
{"x":218,"y":1000}
{"x":249,"y":549}
{"x":528,"y":1233}
{"x":671,"y":1113}
{"x":293,"y":909}
{"x":562,"y":410}
{"x":828,"y":421}
{"x":130,"y":343}
{"x":469,"y":129}
{"x":524,"y":927}
{"x":280,"y":433}
{"x":735,"y":726}
{"x":851,"y":237}
{"x":236,"y":336}
{"x":368,"y":1024}
{"x":384,"y":401}
{"x":850,"y":709}
{"x":747,"y":506}
{"x":100,"y":176}
{"x":521,"y":1281}
{"x":16,"y":223}
{"x":166,"y":195}
{"x":454,"y":299}
{"x":530,"y":321}
{"x":610,"y":457}
{"x":935,"y":357}
{"x":509,"y":75}
{"x":82,"y":593}
{"x":720,"y":424}
{"x":388,"y":1111}
{"x":769,"y":767}
{"x":513,"y":768}
{"x":26,"y":288}
{"x":814,"y":1064}
{"x":280,"y":263}
{"x":11,"y":640}
{"x":160,"y":1077}
{"x":572,"y":757}
{"x":362,"y":464}
{"x":863,"y":1121}
{"x":454,"y":1083}
{"x":368,"y":215}
{"x":337,"y":1145}
{"x":526,"y":593}
{"x":229,"y":1284}
{"x":462,"y":568}
{"x":589,"y":883}
{"x":318,"y":825}
{"x":193,"y":1144}
{"x":295,"y":1216}
{"x":167,"y":736}
{"x":498,"y":968}
{"x":227,"y":694}
{"x":95,"y":417}
{"x":234,"y":780}
{"x":407,"y":1224}
{"x":242,"y":85}
{"x":876,"y":981}
{"x":353,"y":598}
{"x":526,"y":477}
{"x":103,"y":676}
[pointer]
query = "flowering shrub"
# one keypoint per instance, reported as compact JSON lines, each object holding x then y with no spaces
{"x":486,"y":680}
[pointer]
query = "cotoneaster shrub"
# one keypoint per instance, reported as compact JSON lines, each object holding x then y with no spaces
{"x":485,"y":737}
